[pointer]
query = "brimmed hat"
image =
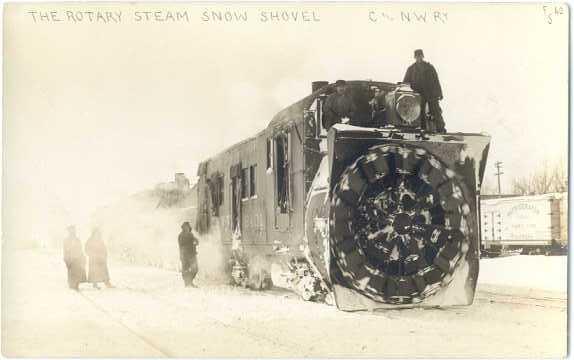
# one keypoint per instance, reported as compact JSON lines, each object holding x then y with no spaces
{"x":419,"y":52}
{"x":340,"y":83}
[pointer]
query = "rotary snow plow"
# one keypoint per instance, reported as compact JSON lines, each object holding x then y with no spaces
{"x":393,"y":217}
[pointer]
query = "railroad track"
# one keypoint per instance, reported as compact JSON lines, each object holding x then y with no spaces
{"x":146,"y":339}
{"x":227,"y":324}
{"x":543,"y":301}
{"x":169,"y":303}
{"x":166,"y":301}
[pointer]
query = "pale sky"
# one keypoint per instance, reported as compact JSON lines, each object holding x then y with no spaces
{"x":95,"y":111}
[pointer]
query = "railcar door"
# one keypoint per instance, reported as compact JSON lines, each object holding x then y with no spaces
{"x":235,"y":175}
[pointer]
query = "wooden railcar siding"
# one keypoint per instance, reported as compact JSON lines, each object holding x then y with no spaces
{"x":260,"y":213}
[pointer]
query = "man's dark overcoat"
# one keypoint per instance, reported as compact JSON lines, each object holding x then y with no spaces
{"x":98,"y":259}
{"x":75,"y":261}
{"x":188,"y":256}
{"x":424,"y":80}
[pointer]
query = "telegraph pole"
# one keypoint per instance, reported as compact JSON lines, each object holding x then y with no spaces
{"x":498,"y":166}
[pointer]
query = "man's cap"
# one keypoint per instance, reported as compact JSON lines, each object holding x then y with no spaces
{"x":419,"y":52}
{"x":340,"y":82}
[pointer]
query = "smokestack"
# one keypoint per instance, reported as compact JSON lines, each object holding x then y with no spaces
{"x":316,"y":85}
{"x":181,"y":181}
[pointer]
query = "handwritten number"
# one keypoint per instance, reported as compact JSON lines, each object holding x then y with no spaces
{"x":550,"y":12}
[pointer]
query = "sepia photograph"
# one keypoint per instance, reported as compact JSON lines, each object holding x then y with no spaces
{"x":285,"y":180}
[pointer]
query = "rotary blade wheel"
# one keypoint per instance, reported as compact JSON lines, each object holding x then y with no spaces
{"x":400,"y":224}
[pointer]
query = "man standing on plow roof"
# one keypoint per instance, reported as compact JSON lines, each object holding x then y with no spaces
{"x":423,"y":79}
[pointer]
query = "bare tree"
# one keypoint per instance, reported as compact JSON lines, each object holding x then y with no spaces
{"x":521,"y":186}
{"x":548,"y":179}
{"x":559,"y":178}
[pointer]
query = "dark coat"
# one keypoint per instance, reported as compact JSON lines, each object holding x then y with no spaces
{"x":336,"y":107}
{"x":75,"y":261}
{"x":98,"y":259}
{"x":188,"y":256}
{"x":424,"y":80}
{"x":187,"y":245}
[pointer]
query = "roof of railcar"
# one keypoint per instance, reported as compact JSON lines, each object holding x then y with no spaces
{"x":294,"y":113}
{"x":236,"y":145}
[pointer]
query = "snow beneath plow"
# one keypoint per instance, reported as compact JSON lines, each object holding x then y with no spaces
{"x":150,"y":314}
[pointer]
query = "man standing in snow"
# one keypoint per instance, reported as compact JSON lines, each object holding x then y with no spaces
{"x":98,"y":260}
{"x":74,"y":259}
{"x":423,"y":79}
{"x":188,"y":254}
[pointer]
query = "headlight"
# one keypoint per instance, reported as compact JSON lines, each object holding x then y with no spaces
{"x":409,"y":108}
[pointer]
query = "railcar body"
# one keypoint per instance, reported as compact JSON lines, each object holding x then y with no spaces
{"x":532,"y":223}
{"x":380,"y":215}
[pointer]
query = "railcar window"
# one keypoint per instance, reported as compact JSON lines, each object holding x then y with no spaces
{"x":234,"y":203}
{"x":282,"y":172}
{"x":252,"y":180}
{"x":244,"y":183}
{"x":219,"y":189}
{"x":311,"y":116}
{"x":320,"y":113}
{"x":214,"y":201}
{"x":216,"y":189}
{"x":269,"y":154}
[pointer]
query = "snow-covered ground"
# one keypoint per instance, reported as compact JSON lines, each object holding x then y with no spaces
{"x":149,"y":313}
{"x":526,"y":271}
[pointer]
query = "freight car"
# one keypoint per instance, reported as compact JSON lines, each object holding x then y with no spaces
{"x":531,"y":224}
{"x":376,"y":214}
